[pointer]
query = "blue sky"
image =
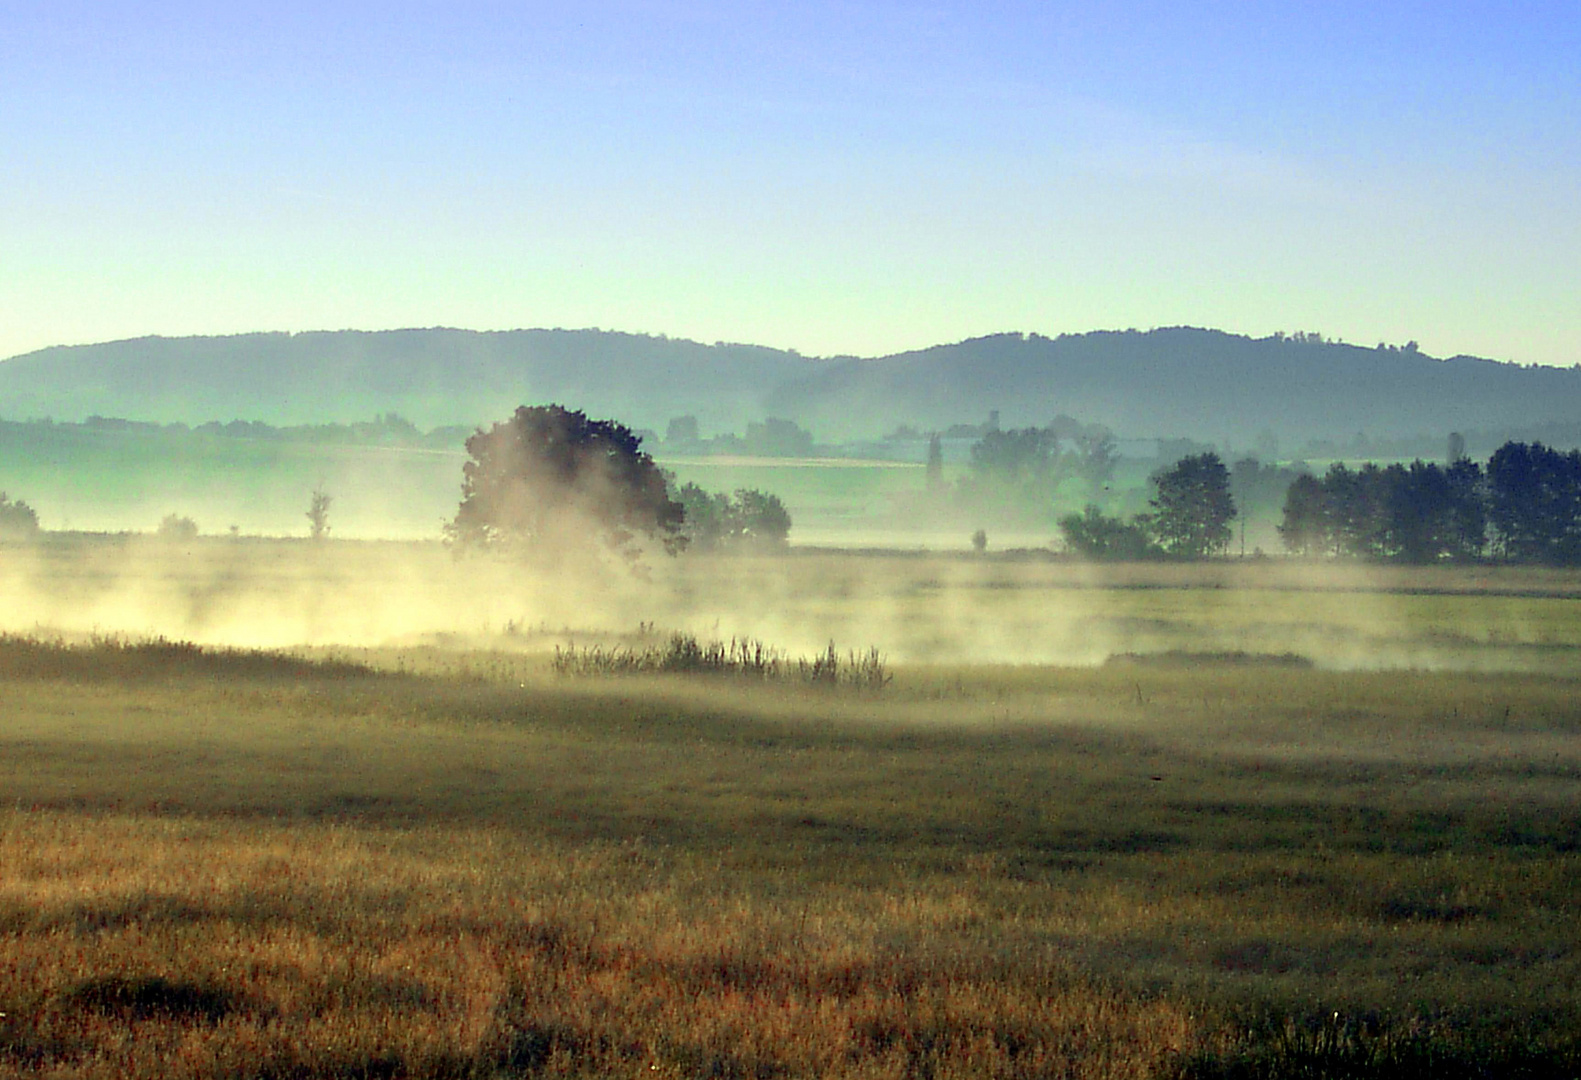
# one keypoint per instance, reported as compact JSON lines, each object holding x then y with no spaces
{"x":836,"y":178}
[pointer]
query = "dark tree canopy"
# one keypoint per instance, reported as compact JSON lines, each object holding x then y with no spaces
{"x":1419,"y":513}
{"x":551,"y":476}
{"x":1534,"y":502}
{"x":1193,"y":507}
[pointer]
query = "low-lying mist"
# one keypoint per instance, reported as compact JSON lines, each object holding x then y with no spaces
{"x":915,"y":608}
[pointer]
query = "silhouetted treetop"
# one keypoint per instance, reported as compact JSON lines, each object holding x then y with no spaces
{"x":550,"y":475}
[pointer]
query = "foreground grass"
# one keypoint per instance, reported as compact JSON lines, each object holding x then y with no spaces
{"x":255,"y":866}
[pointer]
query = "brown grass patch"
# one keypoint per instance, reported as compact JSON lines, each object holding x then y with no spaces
{"x":149,"y":948}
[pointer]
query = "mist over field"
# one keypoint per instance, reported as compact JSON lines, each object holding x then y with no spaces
{"x":916,"y":608}
{"x":790,"y":542}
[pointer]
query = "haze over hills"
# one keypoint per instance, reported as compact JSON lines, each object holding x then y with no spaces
{"x":1168,"y":382}
{"x":433,"y":377}
{"x":1183,"y":381}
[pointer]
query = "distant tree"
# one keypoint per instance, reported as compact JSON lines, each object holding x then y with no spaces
{"x":176,"y":527}
{"x":1015,"y":457}
{"x":1256,"y":484}
{"x":1017,"y":470}
{"x":18,"y":520}
{"x":980,"y":541}
{"x":1456,"y":448}
{"x":760,"y":519}
{"x":318,"y":513}
{"x":1420,"y":529}
{"x":935,"y":468}
{"x":1096,"y":458}
{"x":1356,"y":500}
{"x":1193,"y":507}
{"x":1534,"y":503}
{"x":682,"y":429}
{"x":551,"y":476}
{"x":1468,"y":510}
{"x":1306,"y":528}
{"x":749,"y":519}
{"x":777,"y":438}
{"x":1097,"y":536}
{"x":707,"y":516}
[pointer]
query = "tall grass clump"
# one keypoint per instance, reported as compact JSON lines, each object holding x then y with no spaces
{"x":745,"y":658}
{"x":866,"y":670}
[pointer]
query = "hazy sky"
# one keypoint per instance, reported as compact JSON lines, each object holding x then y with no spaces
{"x":824,"y":176}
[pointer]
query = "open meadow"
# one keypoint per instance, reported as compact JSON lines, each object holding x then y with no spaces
{"x":1239,"y":819}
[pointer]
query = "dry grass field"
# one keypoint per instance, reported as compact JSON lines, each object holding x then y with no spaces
{"x":433,"y":856}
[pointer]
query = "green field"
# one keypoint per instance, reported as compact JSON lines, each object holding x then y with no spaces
{"x":1154,"y":821}
{"x":88,"y":480}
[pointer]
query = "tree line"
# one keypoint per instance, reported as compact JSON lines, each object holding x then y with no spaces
{"x":1524,"y":506}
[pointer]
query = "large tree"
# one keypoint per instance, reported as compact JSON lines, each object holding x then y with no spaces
{"x":550,"y":476}
{"x":1193,"y":507}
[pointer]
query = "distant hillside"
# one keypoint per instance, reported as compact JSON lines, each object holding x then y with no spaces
{"x":1186,"y":382}
{"x":1201,"y":384}
{"x":432,"y":377}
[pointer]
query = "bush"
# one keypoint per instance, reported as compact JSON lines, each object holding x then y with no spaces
{"x":176,"y":527}
{"x":1097,"y":536}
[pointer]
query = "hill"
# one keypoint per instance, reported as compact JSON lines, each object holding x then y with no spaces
{"x":1183,"y":381}
{"x":1170,"y":382}
{"x":433,"y":377}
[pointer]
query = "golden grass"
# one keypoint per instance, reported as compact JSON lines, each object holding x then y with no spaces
{"x":413,"y":860}
{"x":145,"y":947}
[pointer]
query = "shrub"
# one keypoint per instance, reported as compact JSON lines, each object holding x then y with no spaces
{"x":176,"y":527}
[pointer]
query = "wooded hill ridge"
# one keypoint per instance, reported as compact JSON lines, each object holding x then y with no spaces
{"x":1172,"y":382}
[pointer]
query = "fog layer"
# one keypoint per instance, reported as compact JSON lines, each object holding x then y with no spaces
{"x":936,"y":608}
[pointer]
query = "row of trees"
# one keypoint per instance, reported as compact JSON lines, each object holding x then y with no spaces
{"x":1525,"y":506}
